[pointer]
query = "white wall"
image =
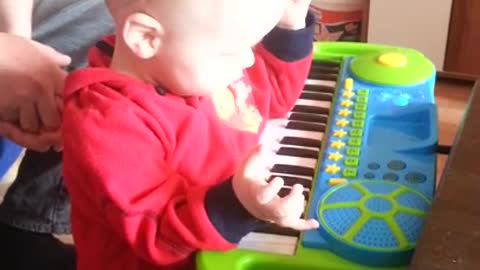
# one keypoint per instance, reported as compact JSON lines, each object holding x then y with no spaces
{"x":417,"y":24}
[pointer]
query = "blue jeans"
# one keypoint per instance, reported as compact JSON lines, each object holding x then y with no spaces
{"x":37,"y":200}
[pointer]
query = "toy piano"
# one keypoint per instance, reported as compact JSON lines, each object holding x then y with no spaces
{"x":362,"y":139}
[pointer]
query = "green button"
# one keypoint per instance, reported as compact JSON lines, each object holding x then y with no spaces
{"x":362,"y":92}
{"x":356,"y":132}
{"x":362,"y":100}
{"x":360,"y":107}
{"x":358,"y":123}
{"x":351,"y":162}
{"x":349,"y":173}
{"x":359,"y":115}
{"x":353,"y":152}
{"x":354,"y":142}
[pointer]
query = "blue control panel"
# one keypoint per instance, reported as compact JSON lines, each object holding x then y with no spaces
{"x":376,"y":175}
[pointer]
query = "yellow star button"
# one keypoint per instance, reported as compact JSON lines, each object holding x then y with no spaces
{"x":346,"y":103}
{"x":336,"y":181}
{"x":332,"y":169}
{"x":344,"y":112}
{"x":339,"y":133}
{"x":348,"y":84}
{"x":342,"y":122}
{"x":337,"y":144}
{"x":335,"y":156}
{"x":347,"y":94}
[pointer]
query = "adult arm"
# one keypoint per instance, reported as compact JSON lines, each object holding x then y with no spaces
{"x":16,"y":17}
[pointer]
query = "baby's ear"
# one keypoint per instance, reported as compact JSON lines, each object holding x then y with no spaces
{"x":143,"y":35}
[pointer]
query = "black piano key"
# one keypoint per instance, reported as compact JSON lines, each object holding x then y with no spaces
{"x":314,"y":74}
{"x":298,"y":141}
{"x":292,"y":180}
{"x":277,"y":230}
{"x":297,"y":152}
{"x":319,"y":88}
{"x":309,"y":117}
{"x":316,"y":96}
{"x":323,"y":63}
{"x":306,"y":126}
{"x":285,"y":191}
{"x":325,"y":69}
{"x":321,"y":76}
{"x":293,"y":169}
{"x":310,"y":109}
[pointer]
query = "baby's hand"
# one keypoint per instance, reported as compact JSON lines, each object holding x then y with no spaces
{"x":261,"y":198}
{"x":295,"y":14}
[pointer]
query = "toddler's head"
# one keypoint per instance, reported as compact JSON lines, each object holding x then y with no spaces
{"x":190,"y":47}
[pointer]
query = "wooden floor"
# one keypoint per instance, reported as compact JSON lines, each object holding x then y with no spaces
{"x":451,"y":98}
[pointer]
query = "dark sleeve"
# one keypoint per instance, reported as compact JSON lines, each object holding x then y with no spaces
{"x":227,"y":214}
{"x":291,"y":45}
{"x":282,"y":64}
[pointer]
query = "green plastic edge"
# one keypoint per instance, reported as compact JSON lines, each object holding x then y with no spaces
{"x":304,"y":258}
{"x":417,"y":69}
{"x":338,"y":51}
{"x":365,"y":65}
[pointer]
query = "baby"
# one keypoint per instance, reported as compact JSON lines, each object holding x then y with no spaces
{"x":161,"y":130}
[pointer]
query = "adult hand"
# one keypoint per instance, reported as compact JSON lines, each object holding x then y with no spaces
{"x":31,"y":85}
{"x":40,"y":141}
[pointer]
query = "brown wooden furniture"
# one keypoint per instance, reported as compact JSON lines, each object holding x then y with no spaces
{"x":451,"y":236}
{"x":463,"y":53}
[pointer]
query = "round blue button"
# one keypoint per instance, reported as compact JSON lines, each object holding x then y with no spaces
{"x":373,"y":166}
{"x":390,"y":177}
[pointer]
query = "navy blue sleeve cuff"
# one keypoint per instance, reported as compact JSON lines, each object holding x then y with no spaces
{"x":227,"y":214}
{"x":291,"y":45}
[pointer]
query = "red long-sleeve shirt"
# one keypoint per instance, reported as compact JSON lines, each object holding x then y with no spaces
{"x":149,"y":174}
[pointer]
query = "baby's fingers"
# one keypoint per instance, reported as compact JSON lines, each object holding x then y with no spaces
{"x":268,"y":192}
{"x":294,"y":202}
{"x":294,"y":205}
{"x":303,"y":224}
{"x":288,"y":207}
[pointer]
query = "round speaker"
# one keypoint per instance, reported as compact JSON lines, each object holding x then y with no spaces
{"x":372,"y":222}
